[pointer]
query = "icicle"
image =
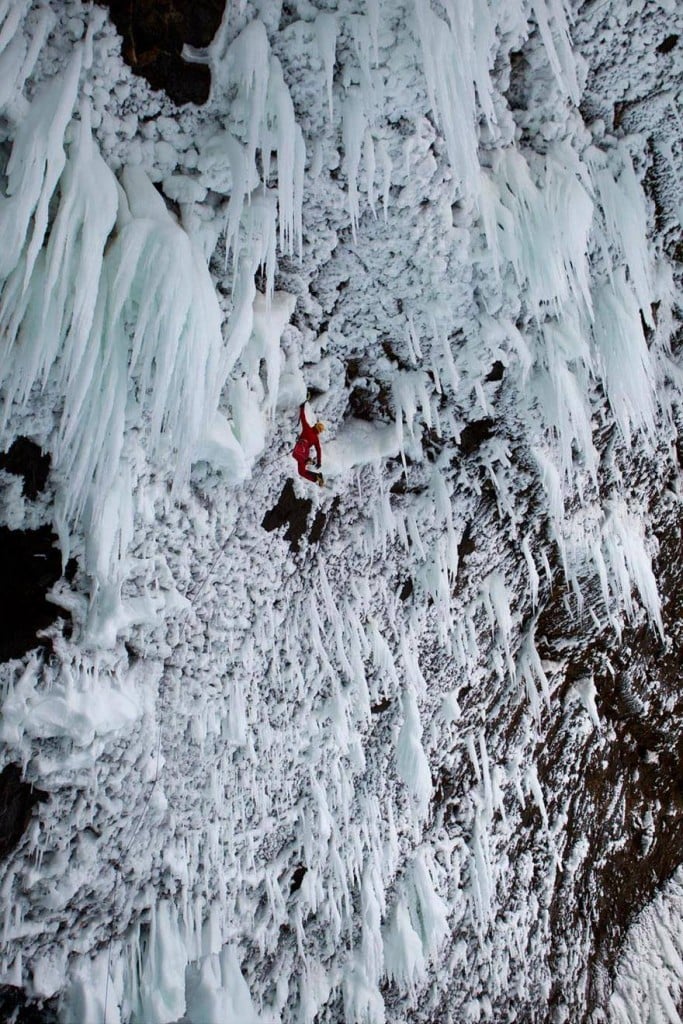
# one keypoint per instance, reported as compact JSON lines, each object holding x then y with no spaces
{"x":249,"y":54}
{"x":411,"y":665}
{"x":625,"y":362}
{"x":11,"y":18}
{"x":178,"y":320}
{"x":317,"y":633}
{"x":534,"y":578}
{"x":298,"y":198}
{"x":260,"y":230}
{"x":326,"y":36}
{"x":362,"y":997}
{"x":11,"y":62}
{"x":403,"y":956}
{"x":354,"y":632}
{"x":361,"y":30}
{"x":269,"y":321}
{"x":562,"y":391}
{"x":442,"y":503}
{"x":411,"y":760}
{"x":487,"y":789}
{"x":413,"y":341}
{"x":372,"y":909}
{"x":569,"y":203}
{"x":162,"y":982}
{"x":381,"y":655}
{"x":553,"y":485}
{"x":562,"y":62}
{"x":531,"y":779}
{"x":239,"y":187}
{"x":630,"y":563}
{"x":338,"y":627}
{"x":385,"y":164}
{"x":484,"y":48}
{"x":585,"y":688}
{"x":530,"y":671}
{"x":446,"y":59}
{"x":34,"y":168}
{"x":545,"y":232}
{"x":91,"y":292}
{"x":290,"y":156}
{"x":497,"y":603}
{"x":373,"y":8}
{"x":481,"y":880}
{"x":369,"y":162}
{"x":354,"y":124}
{"x":432,"y":911}
{"x":18,"y":57}
{"x":219,"y":991}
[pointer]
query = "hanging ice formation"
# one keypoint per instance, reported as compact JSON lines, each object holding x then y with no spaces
{"x":107,"y":302}
{"x":344,"y":738}
{"x":171,"y":303}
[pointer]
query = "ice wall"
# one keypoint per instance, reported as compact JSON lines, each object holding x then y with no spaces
{"x":313,"y":768}
{"x":107,"y":303}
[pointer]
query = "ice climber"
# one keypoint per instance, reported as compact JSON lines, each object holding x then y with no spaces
{"x":308,"y":438}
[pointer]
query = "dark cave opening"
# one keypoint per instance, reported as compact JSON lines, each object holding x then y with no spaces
{"x":32,"y":564}
{"x":154,"y":33}
{"x":31,"y":559}
{"x":17,"y":800}
{"x":26,"y":459}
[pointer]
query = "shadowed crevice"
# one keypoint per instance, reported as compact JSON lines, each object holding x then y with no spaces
{"x":26,"y":459}
{"x":16,"y":1007}
{"x":17,"y":800}
{"x":291,"y":512}
{"x":31,"y":565}
{"x":154,"y":33}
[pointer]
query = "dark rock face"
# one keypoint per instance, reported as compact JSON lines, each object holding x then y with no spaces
{"x":474,"y":435}
{"x":628,"y":800}
{"x":17,"y":800}
{"x":496,"y":372}
{"x":31,"y":565}
{"x":297,"y":878}
{"x":15,"y":1007}
{"x":381,"y":706}
{"x":154,"y":33}
{"x":25,"y":458}
{"x":667,"y":45}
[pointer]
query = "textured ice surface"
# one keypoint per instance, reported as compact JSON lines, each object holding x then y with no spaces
{"x":311,"y":786}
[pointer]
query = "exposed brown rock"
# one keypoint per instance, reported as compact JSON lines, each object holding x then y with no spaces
{"x":154,"y":33}
{"x":627,"y":803}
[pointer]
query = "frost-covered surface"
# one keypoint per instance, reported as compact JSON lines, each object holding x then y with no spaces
{"x":358,"y":782}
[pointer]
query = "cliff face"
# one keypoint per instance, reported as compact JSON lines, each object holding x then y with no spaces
{"x":407,"y":746}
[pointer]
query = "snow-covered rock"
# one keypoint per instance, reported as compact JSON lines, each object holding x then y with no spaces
{"x":416,"y":757}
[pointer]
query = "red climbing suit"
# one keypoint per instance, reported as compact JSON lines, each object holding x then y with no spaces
{"x":308,"y":438}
